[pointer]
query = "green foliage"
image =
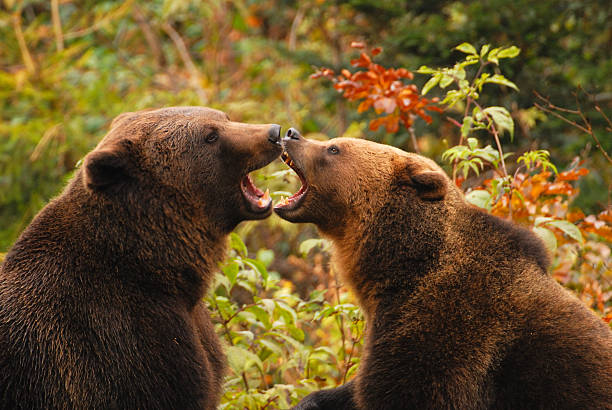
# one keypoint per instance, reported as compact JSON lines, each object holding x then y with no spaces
{"x":270,"y":333}
{"x":470,"y":156}
{"x":469,"y":87}
{"x":537,"y":158}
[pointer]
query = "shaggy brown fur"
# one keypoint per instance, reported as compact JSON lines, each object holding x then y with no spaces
{"x":460,"y":311}
{"x":100,"y":297}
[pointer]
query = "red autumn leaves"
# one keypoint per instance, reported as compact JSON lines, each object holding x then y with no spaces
{"x":382,"y":89}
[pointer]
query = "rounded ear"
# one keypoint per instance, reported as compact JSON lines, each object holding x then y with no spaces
{"x":430,"y":185}
{"x":106,"y":167}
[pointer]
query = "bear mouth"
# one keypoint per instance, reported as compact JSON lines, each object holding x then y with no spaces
{"x":294,"y":200}
{"x":259,"y":201}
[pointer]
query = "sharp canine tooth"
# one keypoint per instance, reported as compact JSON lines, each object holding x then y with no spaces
{"x":264,"y":200}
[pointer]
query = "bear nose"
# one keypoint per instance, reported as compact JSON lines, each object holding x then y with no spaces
{"x":293,"y":134}
{"x":274,"y":134}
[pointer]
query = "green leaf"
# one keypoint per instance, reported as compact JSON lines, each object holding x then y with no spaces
{"x":480,"y":198}
{"x":445,"y":81}
{"x":309,"y":244}
{"x":325,"y":349}
{"x":287,"y":313}
{"x":296,"y":332}
{"x":547,"y":236}
{"x":484,"y":50}
{"x":271,"y":345}
{"x":474,"y":167}
{"x":240,"y":359}
{"x":432,"y":82}
{"x":500,"y":79}
{"x":466,"y":126}
{"x":459,"y":73}
{"x":542,"y":220}
{"x":220,"y":280}
{"x":509,"y":52}
{"x":492,"y":57}
{"x":472,"y":143}
{"x":466,"y":48}
{"x":266,"y":256}
{"x":261,"y":315}
{"x":230,"y":270}
{"x":568,"y":228}
{"x":502,"y":119}
{"x":259,"y":267}
{"x":280,"y":174}
{"x":245,"y":334}
{"x":294,"y":343}
{"x":237,"y":244}
{"x":426,"y":70}
{"x":452,"y":97}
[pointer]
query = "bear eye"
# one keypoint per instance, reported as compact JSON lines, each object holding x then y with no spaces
{"x":334,"y":150}
{"x":212,"y":137}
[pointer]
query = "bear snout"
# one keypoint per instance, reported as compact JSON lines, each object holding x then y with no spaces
{"x":274,"y":134}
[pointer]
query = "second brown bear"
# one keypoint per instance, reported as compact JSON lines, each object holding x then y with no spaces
{"x":460,"y":311}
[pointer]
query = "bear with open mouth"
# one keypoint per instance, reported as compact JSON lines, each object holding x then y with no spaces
{"x":101,"y":296}
{"x":459,"y":308}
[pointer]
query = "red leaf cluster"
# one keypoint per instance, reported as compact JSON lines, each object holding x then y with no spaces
{"x":383,"y":89}
{"x":538,"y":195}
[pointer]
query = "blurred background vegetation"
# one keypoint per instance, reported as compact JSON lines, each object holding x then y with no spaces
{"x":68,"y":67}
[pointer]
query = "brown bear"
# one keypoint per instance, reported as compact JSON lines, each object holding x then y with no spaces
{"x":460,"y":311}
{"x":101,"y":295}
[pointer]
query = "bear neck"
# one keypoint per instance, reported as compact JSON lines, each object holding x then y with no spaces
{"x":162,"y":247}
{"x":384,"y":255}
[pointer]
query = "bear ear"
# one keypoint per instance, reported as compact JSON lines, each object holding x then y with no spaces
{"x":430,"y":185}
{"x":106,"y":167}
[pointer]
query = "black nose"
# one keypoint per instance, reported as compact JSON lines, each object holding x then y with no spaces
{"x":274,"y":134}
{"x":293,"y":134}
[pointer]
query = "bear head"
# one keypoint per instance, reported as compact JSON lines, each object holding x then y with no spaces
{"x":193,"y":158}
{"x":345,"y":181}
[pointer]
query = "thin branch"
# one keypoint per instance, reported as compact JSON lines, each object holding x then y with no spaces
{"x":102,"y":22}
{"x":47,"y":137}
{"x":501,"y":156}
{"x":598,"y":109}
{"x":224,"y":322}
{"x":150,"y":35}
{"x":414,"y":140}
{"x":341,"y":324}
{"x":551,"y":105}
{"x":453,"y":121}
{"x":584,"y":127}
{"x":57,"y":25}
{"x":556,"y":114}
{"x":468,"y":102}
{"x":23,"y":47}
{"x":348,"y":365}
{"x":268,"y":402}
{"x":244,"y":379}
{"x":297,"y":20}
{"x":194,"y":73}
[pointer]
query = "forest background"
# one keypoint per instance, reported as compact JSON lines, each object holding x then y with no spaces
{"x":67,"y":67}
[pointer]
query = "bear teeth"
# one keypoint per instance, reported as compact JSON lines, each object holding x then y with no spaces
{"x":286,"y":158}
